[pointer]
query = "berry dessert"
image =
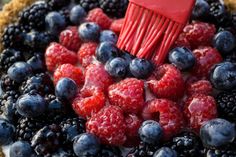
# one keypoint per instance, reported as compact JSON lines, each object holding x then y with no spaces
{"x":67,"y":90}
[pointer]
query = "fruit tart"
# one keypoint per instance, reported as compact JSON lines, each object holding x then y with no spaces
{"x":67,"y":90}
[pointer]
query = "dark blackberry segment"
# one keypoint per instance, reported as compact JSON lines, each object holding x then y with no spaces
{"x":8,"y":84}
{"x":47,"y":140}
{"x":109,"y":151}
{"x":40,"y":83}
{"x":219,"y":13}
{"x":27,"y":127}
{"x":114,"y":8}
{"x":89,"y":4}
{"x":13,"y":36}
{"x":57,"y":4}
{"x":8,"y":57}
{"x":186,"y":144}
{"x":143,"y":150}
{"x":34,"y":15}
{"x":226,"y":102}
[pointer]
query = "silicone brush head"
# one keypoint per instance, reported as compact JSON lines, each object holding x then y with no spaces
{"x":152,"y":26}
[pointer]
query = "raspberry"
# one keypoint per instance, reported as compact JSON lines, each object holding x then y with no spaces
{"x":199,"y":87}
{"x":116,"y":25}
{"x":96,"y":77}
{"x":70,"y":39}
{"x":199,"y":34}
{"x":86,"y":53}
{"x":57,"y":54}
{"x":109,"y":125}
{"x":98,"y":16}
{"x":69,"y":71}
{"x":199,"y":109}
{"x":133,"y":123}
{"x":167,"y":82}
{"x":167,"y":113}
{"x":127,"y":94}
{"x":182,"y":41}
{"x":206,"y":57}
{"x":88,"y":103}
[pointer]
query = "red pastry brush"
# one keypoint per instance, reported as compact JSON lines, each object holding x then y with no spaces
{"x":152,"y":26}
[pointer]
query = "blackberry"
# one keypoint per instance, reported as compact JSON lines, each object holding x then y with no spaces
{"x":186,"y":144}
{"x":219,"y":13}
{"x":34,"y":15}
{"x":143,"y":150}
{"x":41,"y":83}
{"x":57,"y":4}
{"x":13,"y":36}
{"x":89,"y":4}
{"x":27,"y":127}
{"x":8,"y":84}
{"x":47,"y":140}
{"x":8,"y":57}
{"x":114,"y":8}
{"x":109,"y":151}
{"x":226,"y":103}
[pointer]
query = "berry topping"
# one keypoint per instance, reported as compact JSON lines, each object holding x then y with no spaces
{"x":166,"y":82}
{"x":109,"y":36}
{"x":6,"y":132}
{"x":55,"y":22}
{"x":167,"y":113}
{"x":140,"y":68}
{"x":77,"y":15}
{"x":117,"y":67}
{"x":109,"y":125}
{"x":21,"y":149}
{"x":89,"y":31}
{"x":199,"y":87}
{"x":165,"y":152}
{"x":127,"y":94}
{"x":106,"y":51}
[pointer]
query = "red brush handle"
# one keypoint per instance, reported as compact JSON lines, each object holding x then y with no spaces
{"x":176,"y":10}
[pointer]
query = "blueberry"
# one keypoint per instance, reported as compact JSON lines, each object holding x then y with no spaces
{"x":66,"y":89}
{"x":127,"y":56}
{"x":31,"y":105}
{"x":217,"y":132}
{"x":201,"y":10}
{"x":21,"y":149}
{"x":77,"y":14}
{"x":140,"y":68}
{"x":165,"y":152}
{"x":182,"y":58}
{"x":89,"y":31}
{"x":150,"y":132}
{"x":37,"y":63}
{"x":55,"y":22}
{"x":117,"y":67}
{"x":224,"y":42}
{"x":106,"y":51}
{"x":108,"y":35}
{"x":6,"y":132}
{"x":19,"y":71}
{"x":223,"y":76}
{"x":86,"y":144}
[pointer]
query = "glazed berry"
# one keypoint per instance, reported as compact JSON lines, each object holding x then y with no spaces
{"x":117,"y":67}
{"x":217,"y":12}
{"x":161,"y":79}
{"x":201,"y":9}
{"x":89,"y":31}
{"x":217,"y":132}
{"x":182,"y":41}
{"x":206,"y":57}
{"x":19,"y":71}
{"x":66,"y":89}
{"x":6,"y":132}
{"x":99,"y":17}
{"x":199,"y":87}
{"x":70,"y":39}
{"x":31,"y":105}
{"x":140,"y":68}
{"x":127,"y":56}
{"x":108,"y":35}
{"x":20,"y":149}
{"x":86,"y":144}
{"x":37,"y":63}
{"x":116,"y":25}
{"x":224,"y":42}
{"x":150,"y":132}
{"x":96,"y":77}
{"x":57,"y":54}
{"x":106,"y":51}
{"x":199,"y":109}
{"x":108,"y":125}
{"x":77,"y":15}
{"x":165,"y":152}
{"x":69,"y":71}
{"x":223,"y":76}
{"x":55,"y":22}
{"x":182,"y":58}
{"x":128,"y":94}
{"x":133,"y":123}
{"x":88,"y":4}
{"x":169,"y":116}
